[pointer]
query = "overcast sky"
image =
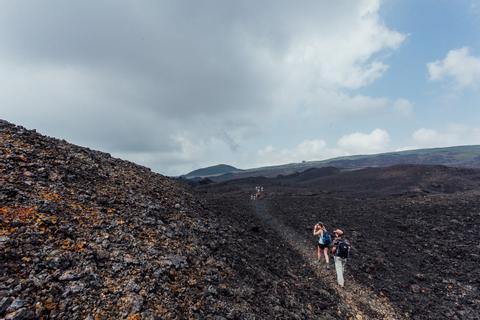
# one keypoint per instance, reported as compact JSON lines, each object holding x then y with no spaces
{"x":177,"y":85}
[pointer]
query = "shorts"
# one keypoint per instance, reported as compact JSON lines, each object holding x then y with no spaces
{"x":323,"y":246}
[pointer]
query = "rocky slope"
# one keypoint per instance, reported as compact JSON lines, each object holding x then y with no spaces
{"x":84,"y":235}
{"x":87,"y":236}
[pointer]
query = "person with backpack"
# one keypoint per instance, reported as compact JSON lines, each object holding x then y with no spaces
{"x":324,"y":242}
{"x":340,"y":250}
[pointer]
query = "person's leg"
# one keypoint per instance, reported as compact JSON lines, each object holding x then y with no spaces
{"x":339,"y":270}
{"x":325,"y":252}
{"x":319,"y":253}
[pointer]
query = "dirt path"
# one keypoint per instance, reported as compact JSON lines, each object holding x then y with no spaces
{"x":364,"y":303}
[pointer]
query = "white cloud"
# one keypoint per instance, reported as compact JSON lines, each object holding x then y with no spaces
{"x":459,"y":65}
{"x":403,"y":106}
{"x":362,"y":143}
{"x":431,"y":138}
{"x":189,"y":153}
{"x":452,"y":135}
{"x":313,"y":149}
{"x":317,"y":149}
{"x":376,"y":141}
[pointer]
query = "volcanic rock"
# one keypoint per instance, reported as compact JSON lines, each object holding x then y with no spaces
{"x":414,"y":231}
{"x":87,"y":236}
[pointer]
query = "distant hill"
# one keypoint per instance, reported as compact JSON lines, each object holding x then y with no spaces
{"x":212,"y":171}
{"x":461,"y":156}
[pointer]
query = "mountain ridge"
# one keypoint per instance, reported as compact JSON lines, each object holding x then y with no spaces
{"x":211,"y":171}
{"x":467,"y":156}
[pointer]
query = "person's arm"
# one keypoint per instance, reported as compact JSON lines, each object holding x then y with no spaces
{"x":316,"y":230}
{"x":334,"y":247}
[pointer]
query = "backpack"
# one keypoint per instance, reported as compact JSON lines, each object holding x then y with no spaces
{"x":327,"y":239}
{"x":343,"y":249}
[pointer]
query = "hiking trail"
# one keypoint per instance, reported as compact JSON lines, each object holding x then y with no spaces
{"x":363,"y":302}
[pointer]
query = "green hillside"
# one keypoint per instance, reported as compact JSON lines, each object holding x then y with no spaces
{"x":459,"y":156}
{"x":212,"y":171}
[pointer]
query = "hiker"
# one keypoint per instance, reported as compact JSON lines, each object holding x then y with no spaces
{"x":324,"y":242}
{"x":340,"y":251}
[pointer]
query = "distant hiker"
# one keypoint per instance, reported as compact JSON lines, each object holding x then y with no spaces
{"x":259,"y":192}
{"x":324,"y":241}
{"x":340,"y":250}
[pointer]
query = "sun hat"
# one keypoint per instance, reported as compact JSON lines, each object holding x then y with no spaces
{"x":338,"y":232}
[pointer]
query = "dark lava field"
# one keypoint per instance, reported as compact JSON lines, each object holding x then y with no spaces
{"x":86,"y":236}
{"x":415,"y":231}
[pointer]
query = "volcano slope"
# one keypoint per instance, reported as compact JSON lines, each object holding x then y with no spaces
{"x":87,"y":236}
{"x":415,"y":232}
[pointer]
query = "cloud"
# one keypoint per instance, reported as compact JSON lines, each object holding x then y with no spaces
{"x":431,"y":138}
{"x":317,"y":149}
{"x":376,"y":141}
{"x":363,"y":143}
{"x":307,"y":150}
{"x":454,"y":134}
{"x":460,"y":66}
{"x":189,"y":153}
{"x":131,"y":78}
{"x":403,"y":106}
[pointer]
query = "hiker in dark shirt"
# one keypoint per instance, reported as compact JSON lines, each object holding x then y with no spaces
{"x":340,"y":251}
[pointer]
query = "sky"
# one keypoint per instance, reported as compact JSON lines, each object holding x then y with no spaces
{"x":177,"y":85}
